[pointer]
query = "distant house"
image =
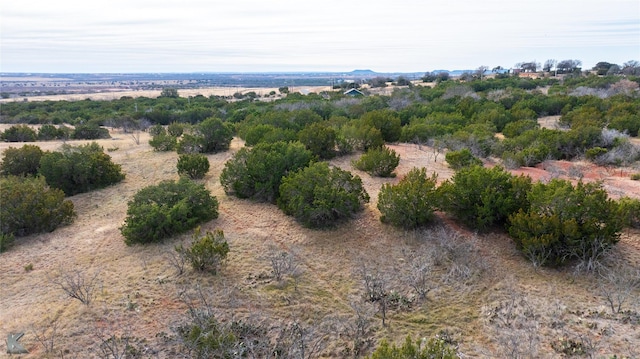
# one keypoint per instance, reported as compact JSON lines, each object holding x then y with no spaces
{"x":354,"y":93}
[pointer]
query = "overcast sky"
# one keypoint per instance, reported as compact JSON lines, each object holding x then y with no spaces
{"x":309,"y":35}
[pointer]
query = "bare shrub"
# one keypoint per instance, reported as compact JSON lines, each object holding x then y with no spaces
{"x":282,"y":263}
{"x":458,"y":254}
{"x":515,"y":325}
{"x":591,"y":255}
{"x":109,"y":345}
{"x":619,"y":285}
{"x":46,"y":335}
{"x":358,"y":329}
{"x":376,"y":286}
{"x":178,"y":260}
{"x":420,"y":273}
{"x":78,"y":284}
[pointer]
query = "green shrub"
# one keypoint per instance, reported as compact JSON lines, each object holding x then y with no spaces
{"x":157,"y":130}
{"x":410,"y":203}
{"x":595,"y":152}
{"x":629,"y":211}
{"x":257,"y":173}
{"x":23,"y":161}
{"x":216,"y":135}
{"x":50,"y":132}
{"x":189,"y":144}
{"x":434,"y":348}
{"x":484,"y":197}
{"x":175,"y":129}
{"x":635,"y":176}
{"x":6,"y":241}
{"x":462,"y":158}
{"x":195,"y":165}
{"x":90,"y":132}
{"x":80,"y":169}
{"x":319,"y":196}
{"x":356,"y":136}
{"x":163,"y":142}
{"x":320,"y":139}
{"x":386,"y":121}
{"x":378,"y":162}
{"x":564,"y":222}
{"x":30,"y":206}
{"x":19,"y":133}
{"x":516,"y":128}
{"x":206,"y":253}
{"x":167,"y":209}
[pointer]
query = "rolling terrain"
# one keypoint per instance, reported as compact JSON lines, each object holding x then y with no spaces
{"x":483,"y":295}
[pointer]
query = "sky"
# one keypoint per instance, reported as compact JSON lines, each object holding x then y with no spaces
{"x":132,"y":36}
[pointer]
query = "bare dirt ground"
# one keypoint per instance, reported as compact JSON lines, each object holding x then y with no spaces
{"x":138,"y":287}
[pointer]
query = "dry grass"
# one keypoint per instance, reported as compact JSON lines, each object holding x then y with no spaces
{"x":138,"y":290}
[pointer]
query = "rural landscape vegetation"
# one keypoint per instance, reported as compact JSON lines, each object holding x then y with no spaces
{"x":490,"y":214}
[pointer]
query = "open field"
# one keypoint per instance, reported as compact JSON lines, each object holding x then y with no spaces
{"x":485,"y":295}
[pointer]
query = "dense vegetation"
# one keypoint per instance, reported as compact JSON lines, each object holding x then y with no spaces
{"x":552,"y":223}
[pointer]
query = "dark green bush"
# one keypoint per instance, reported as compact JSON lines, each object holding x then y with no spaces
{"x":629,"y":211}
{"x":319,"y":196}
{"x":19,"y":133}
{"x":163,"y":142}
{"x":89,"y":132}
{"x":216,"y":135}
{"x":175,"y":129}
{"x":50,"y":132}
{"x":386,"y":121}
{"x":484,"y":197}
{"x":23,"y":161}
{"x":80,"y":169}
{"x":157,"y":130}
{"x":462,"y":158}
{"x":257,"y":173}
{"x":410,"y":203}
{"x":6,"y":241}
{"x":206,"y":252}
{"x":378,"y":162}
{"x":434,"y":348}
{"x":564,"y":222}
{"x":320,"y":139}
{"x":515,"y":129}
{"x":193,"y":165}
{"x":30,"y":206}
{"x":190,"y":143}
{"x":167,"y":209}
{"x":356,"y":136}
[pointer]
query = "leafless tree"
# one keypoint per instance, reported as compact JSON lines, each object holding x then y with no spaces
{"x":358,"y":328}
{"x":549,"y":65}
{"x":78,"y":284}
{"x":376,"y":286}
{"x":420,"y":272}
{"x":620,"y":285}
{"x":480,"y":71}
{"x":178,"y":260}
{"x":282,"y":263}
{"x":515,"y":324}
